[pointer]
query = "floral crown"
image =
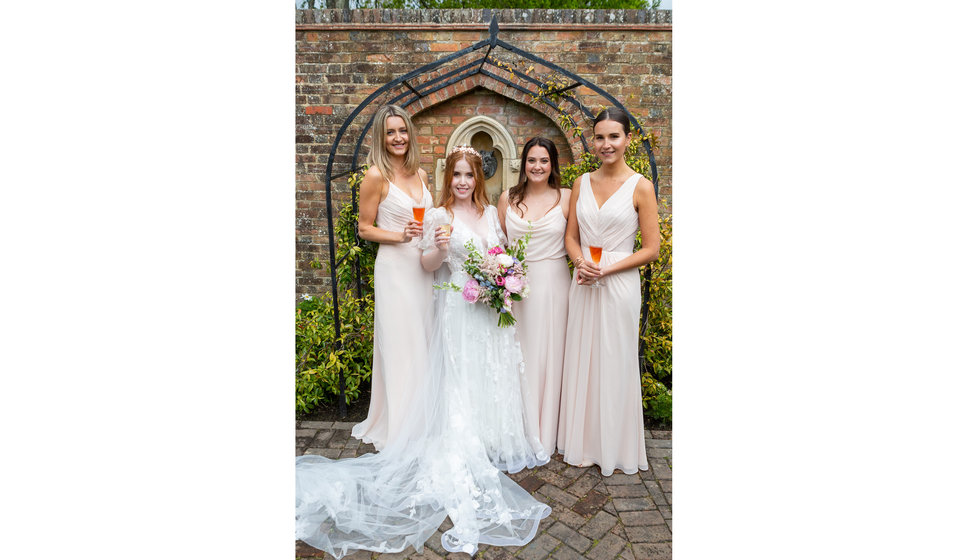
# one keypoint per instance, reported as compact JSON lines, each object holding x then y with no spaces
{"x":465,"y":148}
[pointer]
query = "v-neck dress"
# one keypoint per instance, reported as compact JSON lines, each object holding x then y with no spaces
{"x":601,"y":416}
{"x":542,"y":317}
{"x":402,"y":319}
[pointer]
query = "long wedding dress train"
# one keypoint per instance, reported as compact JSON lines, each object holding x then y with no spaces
{"x":464,"y":422}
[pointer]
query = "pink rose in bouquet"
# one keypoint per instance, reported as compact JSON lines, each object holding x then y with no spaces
{"x":471,"y":291}
{"x":514,"y":284}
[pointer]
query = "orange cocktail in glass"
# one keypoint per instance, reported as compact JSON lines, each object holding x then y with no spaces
{"x":595,"y":253}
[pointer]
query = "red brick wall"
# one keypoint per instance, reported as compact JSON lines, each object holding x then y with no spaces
{"x":343,"y":57}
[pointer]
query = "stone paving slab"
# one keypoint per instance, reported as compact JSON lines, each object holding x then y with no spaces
{"x":619,"y":517}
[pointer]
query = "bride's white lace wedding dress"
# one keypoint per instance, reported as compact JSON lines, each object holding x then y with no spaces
{"x":466,"y":421}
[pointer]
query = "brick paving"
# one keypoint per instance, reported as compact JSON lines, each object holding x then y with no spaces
{"x":621,"y":516}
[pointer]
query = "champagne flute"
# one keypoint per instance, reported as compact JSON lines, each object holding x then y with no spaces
{"x":444,"y":227}
{"x":596,"y":254}
{"x":418,"y":214}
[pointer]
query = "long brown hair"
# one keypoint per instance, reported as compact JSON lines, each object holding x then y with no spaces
{"x":446,"y":197}
{"x":378,"y":155}
{"x":516,"y":194}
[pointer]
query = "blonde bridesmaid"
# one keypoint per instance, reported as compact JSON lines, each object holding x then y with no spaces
{"x":393,"y":185}
{"x":538,"y":204}
{"x":601,"y":416}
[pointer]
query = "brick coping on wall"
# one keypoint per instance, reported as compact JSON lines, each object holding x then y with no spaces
{"x":483,"y":26}
{"x":478,"y":19}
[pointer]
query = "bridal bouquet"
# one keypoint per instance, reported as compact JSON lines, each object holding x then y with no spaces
{"x":496,"y":278}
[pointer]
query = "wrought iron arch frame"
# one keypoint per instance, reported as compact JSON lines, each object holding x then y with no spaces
{"x":419,"y":92}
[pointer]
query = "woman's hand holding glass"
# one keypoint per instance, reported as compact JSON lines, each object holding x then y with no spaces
{"x":588,"y":272}
{"x":413,"y":230}
{"x":443,"y":233}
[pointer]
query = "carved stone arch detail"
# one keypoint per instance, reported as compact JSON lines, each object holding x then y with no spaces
{"x":507,"y":91}
{"x":502,"y":141}
{"x":500,"y":135}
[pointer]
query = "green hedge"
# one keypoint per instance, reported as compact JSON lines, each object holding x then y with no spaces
{"x":319,"y":362}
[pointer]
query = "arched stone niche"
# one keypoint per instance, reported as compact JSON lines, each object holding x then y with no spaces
{"x":487,"y":134}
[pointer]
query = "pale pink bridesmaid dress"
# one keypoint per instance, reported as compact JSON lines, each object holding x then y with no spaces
{"x":541,"y":319}
{"x":601,"y":417}
{"x":402,"y":305}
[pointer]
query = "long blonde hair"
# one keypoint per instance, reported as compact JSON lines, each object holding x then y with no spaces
{"x":446,"y":197}
{"x":379,"y":156}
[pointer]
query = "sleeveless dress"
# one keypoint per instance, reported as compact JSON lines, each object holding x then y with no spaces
{"x":466,"y":420}
{"x":402,"y":318}
{"x":541,"y":318}
{"x":601,"y":417}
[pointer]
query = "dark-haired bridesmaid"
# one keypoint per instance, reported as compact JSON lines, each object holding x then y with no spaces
{"x":601,"y":417}
{"x":538,"y":204}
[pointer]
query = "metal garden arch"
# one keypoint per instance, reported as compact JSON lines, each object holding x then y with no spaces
{"x":419,"y":91}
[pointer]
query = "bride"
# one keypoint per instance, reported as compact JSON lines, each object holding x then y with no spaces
{"x":466,"y":424}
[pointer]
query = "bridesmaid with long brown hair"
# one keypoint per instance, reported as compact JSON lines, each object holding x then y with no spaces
{"x":601,"y":417}
{"x":393,"y":185}
{"x":539,"y":205}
